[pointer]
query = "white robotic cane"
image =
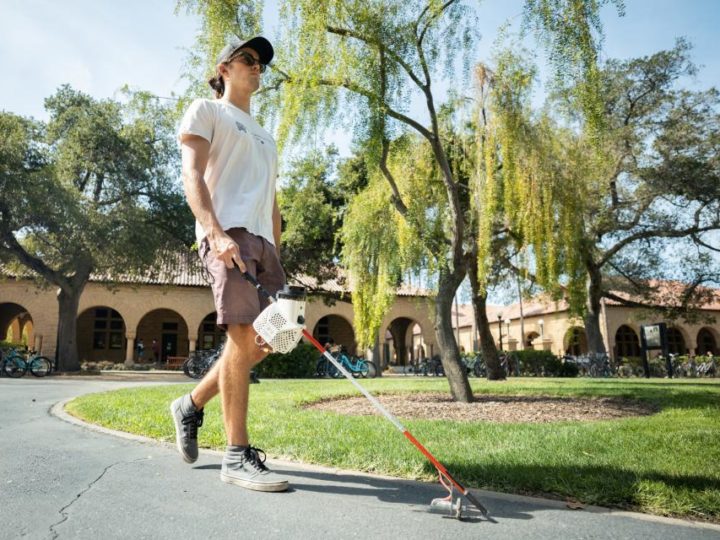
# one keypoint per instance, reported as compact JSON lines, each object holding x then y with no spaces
{"x":280,"y":325}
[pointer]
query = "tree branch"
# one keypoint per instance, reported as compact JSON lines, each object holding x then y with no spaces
{"x":425,"y":132}
{"x":658,"y":233}
{"x":396,"y":198}
{"x":431,"y":19}
{"x":699,"y":242}
{"x":345,"y":32}
{"x":10,"y":245}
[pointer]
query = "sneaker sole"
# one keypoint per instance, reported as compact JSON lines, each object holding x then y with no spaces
{"x":255,"y":486}
{"x":178,"y":429}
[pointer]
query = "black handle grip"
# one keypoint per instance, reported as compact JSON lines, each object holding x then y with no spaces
{"x":255,"y":283}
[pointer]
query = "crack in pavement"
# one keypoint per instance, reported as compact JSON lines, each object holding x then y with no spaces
{"x":65,"y":514}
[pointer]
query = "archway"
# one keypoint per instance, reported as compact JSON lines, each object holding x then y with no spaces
{"x":575,"y":341}
{"x":676,"y":341}
{"x":101,"y":335}
{"x":338,"y":329}
{"x":398,"y":349}
{"x":706,"y":342}
{"x":530,"y":338}
{"x":16,"y":325}
{"x":419,"y":347}
{"x":210,"y":335}
{"x":627,"y":344}
{"x":168,"y":328}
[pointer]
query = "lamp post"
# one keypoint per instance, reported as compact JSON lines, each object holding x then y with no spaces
{"x":499,"y":318}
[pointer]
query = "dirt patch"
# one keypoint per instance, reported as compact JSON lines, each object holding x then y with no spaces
{"x":489,"y":408}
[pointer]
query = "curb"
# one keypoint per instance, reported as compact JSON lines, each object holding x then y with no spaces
{"x":58,"y":410}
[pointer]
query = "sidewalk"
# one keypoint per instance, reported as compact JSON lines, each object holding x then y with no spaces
{"x":61,"y":479}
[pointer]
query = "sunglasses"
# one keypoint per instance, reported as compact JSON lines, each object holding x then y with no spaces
{"x":248,"y":59}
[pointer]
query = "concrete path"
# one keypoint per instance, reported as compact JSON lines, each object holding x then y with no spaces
{"x":62,"y":480}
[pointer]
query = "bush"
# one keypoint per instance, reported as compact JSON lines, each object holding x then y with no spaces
{"x":544,"y":364}
{"x":298,"y":363}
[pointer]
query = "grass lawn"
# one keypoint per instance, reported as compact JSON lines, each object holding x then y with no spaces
{"x":668,"y":463}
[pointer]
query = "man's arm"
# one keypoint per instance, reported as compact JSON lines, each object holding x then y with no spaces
{"x":195,"y":153}
{"x":277,"y":225}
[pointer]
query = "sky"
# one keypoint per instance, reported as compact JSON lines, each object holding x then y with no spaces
{"x":98,"y":46}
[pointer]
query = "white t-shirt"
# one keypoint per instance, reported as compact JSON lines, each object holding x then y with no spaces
{"x":242,"y":167}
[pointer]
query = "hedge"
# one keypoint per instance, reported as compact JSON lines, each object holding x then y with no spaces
{"x":297,"y":364}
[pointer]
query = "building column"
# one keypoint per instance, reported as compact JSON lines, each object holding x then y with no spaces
{"x":512,"y":344}
{"x":37,"y":343}
{"x":192,"y":345}
{"x":130,"y":349}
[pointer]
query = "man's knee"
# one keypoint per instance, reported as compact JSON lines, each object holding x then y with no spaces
{"x":244,"y":347}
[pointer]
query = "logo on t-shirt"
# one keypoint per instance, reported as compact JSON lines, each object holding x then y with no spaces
{"x":241,"y":128}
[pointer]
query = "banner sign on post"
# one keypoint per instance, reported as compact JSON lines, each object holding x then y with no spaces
{"x":654,"y":337}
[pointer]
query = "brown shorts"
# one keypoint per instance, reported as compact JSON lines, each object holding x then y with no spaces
{"x":236,"y":300}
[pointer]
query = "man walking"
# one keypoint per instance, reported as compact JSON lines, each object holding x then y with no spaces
{"x":229,"y":169}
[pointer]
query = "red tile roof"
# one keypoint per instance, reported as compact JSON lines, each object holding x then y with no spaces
{"x":184,"y":269}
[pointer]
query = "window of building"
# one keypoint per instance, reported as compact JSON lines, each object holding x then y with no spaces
{"x":706,"y":342}
{"x":211,"y":335}
{"x":322,"y":330}
{"x":676,"y":342}
{"x":108,"y":329}
{"x":626,"y":342}
{"x":532,"y":336}
{"x":577,"y":342}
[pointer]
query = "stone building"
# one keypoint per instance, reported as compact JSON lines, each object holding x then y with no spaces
{"x":548,"y":325}
{"x":174,"y":306}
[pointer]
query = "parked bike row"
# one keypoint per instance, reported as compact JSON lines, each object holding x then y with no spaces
{"x":198,"y":363}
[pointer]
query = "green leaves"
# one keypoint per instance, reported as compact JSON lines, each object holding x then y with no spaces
{"x":91,"y":187}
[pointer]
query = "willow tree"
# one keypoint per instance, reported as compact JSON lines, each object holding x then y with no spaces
{"x":598,"y":206}
{"x":360,"y":64}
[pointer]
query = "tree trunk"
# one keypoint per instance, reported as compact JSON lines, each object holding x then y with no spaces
{"x":449,"y":354}
{"x":487,"y":343}
{"x":67,"y":350}
{"x":592,"y":314}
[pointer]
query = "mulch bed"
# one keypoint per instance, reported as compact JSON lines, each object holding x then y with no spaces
{"x":491,"y":408}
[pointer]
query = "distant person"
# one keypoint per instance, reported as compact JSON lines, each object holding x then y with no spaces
{"x":140,"y":347}
{"x":155,"y":348}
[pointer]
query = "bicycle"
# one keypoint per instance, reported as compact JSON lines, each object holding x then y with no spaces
{"x":474,"y":364}
{"x":198,"y":363}
{"x":358,"y":366}
{"x":16,"y":364}
{"x":414,"y":368}
{"x":433,"y":367}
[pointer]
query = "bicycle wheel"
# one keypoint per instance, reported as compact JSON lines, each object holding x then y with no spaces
{"x":361,"y":368}
{"x":372,"y":371}
{"x":194,"y":367}
{"x":335,"y":373}
{"x":321,"y":368}
{"x":40,"y":366}
{"x":14,"y":367}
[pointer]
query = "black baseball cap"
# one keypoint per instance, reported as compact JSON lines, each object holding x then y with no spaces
{"x":258,"y":44}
